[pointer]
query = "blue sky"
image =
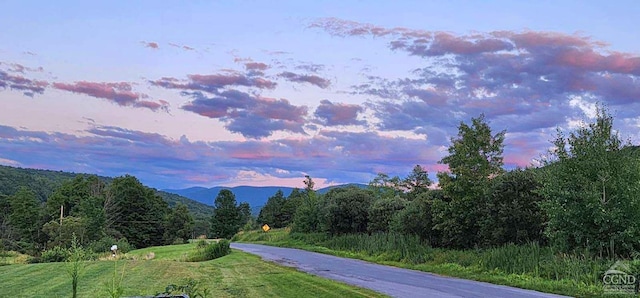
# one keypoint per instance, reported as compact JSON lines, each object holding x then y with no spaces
{"x":262,"y":93}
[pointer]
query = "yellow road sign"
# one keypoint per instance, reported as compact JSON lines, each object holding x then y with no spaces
{"x":266,"y":227}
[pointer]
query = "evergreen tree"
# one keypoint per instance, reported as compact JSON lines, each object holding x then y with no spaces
{"x":226,"y":219}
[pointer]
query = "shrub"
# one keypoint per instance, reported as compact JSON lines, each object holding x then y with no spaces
{"x":202,"y":243}
{"x":211,"y":251}
{"x":104,"y":245}
{"x":55,"y":254}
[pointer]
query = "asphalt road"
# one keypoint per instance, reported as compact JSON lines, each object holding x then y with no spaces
{"x":396,"y":282}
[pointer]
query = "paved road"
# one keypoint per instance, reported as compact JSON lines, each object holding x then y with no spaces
{"x":396,"y":282}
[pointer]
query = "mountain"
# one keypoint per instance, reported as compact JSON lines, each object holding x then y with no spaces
{"x":44,"y":182}
{"x":256,"y":196}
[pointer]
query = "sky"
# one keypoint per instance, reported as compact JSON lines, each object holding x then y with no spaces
{"x":262,"y":93}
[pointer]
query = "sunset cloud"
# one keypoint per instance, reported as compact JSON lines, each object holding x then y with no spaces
{"x":252,"y":116}
{"x":120,"y":93}
{"x":212,"y":83}
{"x":338,"y":114}
{"x":152,"y":45}
{"x":28,"y":87}
{"x":310,"y":79}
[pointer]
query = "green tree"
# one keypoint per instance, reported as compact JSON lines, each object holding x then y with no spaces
{"x":417,"y":182}
{"x":347,"y":210}
{"x":308,"y":214}
{"x":179,"y":224}
{"x":475,"y":157}
{"x":383,"y":186}
{"x":64,"y":234}
{"x":5,"y":228}
{"x":244,"y":209}
{"x":382,"y":211}
{"x":512,"y":212}
{"x":141,"y":215}
{"x":591,"y":185}
{"x":226,"y":219}
{"x":417,"y":217}
{"x":25,"y":216}
{"x":272,"y":213}
{"x":290,"y":207}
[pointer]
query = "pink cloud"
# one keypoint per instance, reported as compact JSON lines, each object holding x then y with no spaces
{"x":120,"y":93}
{"x":212,"y":83}
{"x":311,"y":79}
{"x":153,"y":45}
{"x":338,"y":113}
{"x":256,"y":66}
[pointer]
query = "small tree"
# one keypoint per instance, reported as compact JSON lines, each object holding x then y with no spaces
{"x":307,"y":216}
{"x":75,"y":264}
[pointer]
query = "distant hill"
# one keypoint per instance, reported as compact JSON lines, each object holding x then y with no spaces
{"x":44,"y":182}
{"x":256,"y":196}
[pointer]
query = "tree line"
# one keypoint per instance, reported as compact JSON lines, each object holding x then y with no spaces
{"x":585,"y":196}
{"x":95,"y":212}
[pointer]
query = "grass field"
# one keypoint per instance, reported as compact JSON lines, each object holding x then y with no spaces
{"x":236,"y":275}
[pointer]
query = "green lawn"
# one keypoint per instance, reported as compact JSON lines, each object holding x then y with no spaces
{"x":236,"y":275}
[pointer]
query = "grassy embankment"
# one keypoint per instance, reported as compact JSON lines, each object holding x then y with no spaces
{"x":528,"y":266}
{"x":235,"y":275}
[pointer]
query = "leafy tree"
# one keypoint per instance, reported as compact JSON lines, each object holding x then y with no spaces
{"x":5,"y":228}
{"x":417,"y":182}
{"x":382,"y":211}
{"x":179,"y":224}
{"x":25,"y":216}
{"x":226,"y":219}
{"x":591,"y":185}
{"x":417,"y":217}
{"x":347,"y":210}
{"x":244,"y":209}
{"x":512,"y":212}
{"x":141,"y":213}
{"x":68,"y":195}
{"x":273,"y":213}
{"x":63,"y":234}
{"x":475,"y":157}
{"x":290,"y":207}
{"x":308,"y":214}
{"x":383,"y":186}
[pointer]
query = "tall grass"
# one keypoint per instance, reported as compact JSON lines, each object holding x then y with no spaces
{"x":210,"y":251}
{"x":579,"y":271}
{"x":534,"y":260}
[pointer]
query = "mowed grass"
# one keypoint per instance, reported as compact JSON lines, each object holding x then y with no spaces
{"x":236,"y":275}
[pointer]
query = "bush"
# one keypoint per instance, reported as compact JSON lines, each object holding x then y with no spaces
{"x":211,"y":251}
{"x":104,"y":245}
{"x":202,"y":243}
{"x":56,"y":254}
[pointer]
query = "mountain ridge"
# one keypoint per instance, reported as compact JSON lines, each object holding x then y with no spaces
{"x":256,"y":196}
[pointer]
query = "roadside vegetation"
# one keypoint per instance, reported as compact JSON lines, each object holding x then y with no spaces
{"x":557,"y":227}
